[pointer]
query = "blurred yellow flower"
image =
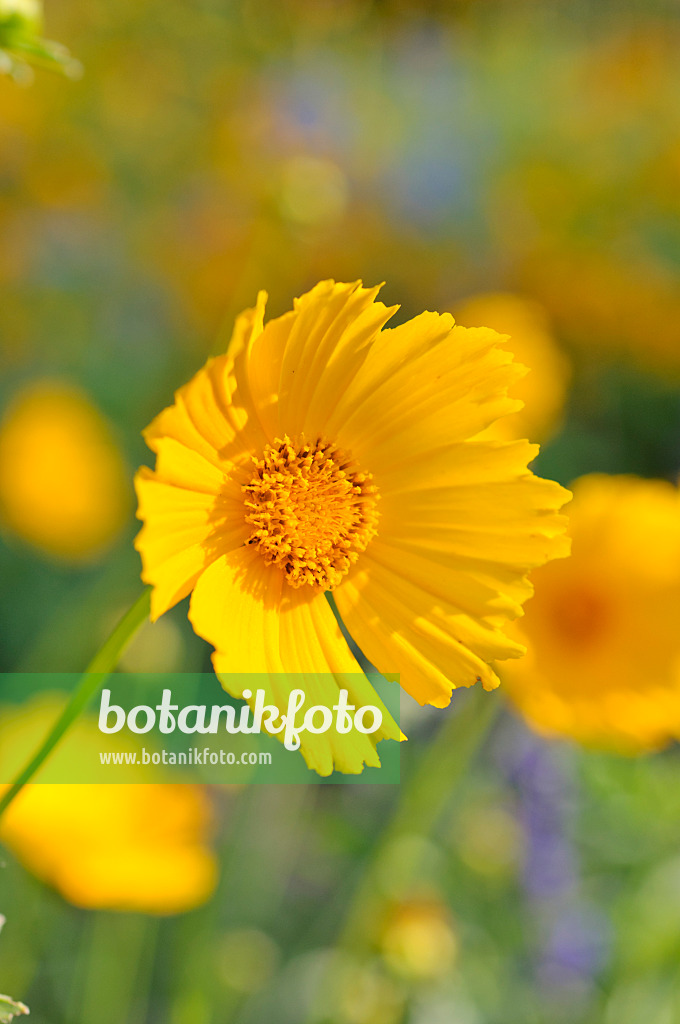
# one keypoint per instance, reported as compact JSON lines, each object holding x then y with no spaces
{"x":613,"y":306}
{"x":602,"y":629}
{"x":116,"y":847}
{"x":135,"y":847}
{"x":63,"y":484}
{"x":325,"y":453}
{"x":418,"y":940}
{"x":543,"y":390}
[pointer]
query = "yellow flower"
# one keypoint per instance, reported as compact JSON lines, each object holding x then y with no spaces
{"x":602,"y":629}
{"x":543,"y":390}
{"x":134,"y":847}
{"x":418,"y":939}
{"x":622,"y":306}
{"x":325,"y":453}
{"x":119,"y":847}
{"x":62,"y":479}
{"x":116,"y":847}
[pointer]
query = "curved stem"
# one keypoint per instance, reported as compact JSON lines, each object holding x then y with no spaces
{"x":103,"y":663}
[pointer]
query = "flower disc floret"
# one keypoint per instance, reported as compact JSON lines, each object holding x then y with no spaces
{"x":311,"y":509}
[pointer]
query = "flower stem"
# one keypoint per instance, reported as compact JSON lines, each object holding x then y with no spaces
{"x":421,"y":804}
{"x":100,"y":667}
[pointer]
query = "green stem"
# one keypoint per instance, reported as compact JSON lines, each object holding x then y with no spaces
{"x":119,"y":960}
{"x":100,"y":667}
{"x":421,"y":804}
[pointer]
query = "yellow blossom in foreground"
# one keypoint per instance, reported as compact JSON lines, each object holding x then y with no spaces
{"x":135,"y":847}
{"x":323,"y":453}
{"x":543,"y":390}
{"x":602,"y":629}
{"x":62,"y":478}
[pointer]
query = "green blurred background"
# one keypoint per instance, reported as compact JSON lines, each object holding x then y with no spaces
{"x":450,"y":149}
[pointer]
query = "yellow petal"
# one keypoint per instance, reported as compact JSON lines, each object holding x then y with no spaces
{"x":192,"y":503}
{"x":331,"y":336}
{"x":399,"y":629}
{"x":394,"y":349}
{"x":256,"y":353}
{"x":450,"y":384}
{"x":214,"y":414}
{"x":474,"y":501}
{"x":259,"y":624}
{"x":263,"y":370}
{"x":458,"y":531}
{"x":184,"y":531}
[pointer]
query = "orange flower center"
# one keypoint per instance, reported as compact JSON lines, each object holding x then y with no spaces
{"x":580,"y":616}
{"x":311,"y":509}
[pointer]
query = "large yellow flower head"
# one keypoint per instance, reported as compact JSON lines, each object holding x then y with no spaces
{"x":603,"y":664}
{"x":323,"y":453}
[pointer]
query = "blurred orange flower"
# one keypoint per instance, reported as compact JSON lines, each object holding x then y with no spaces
{"x":603,"y":664}
{"x":544,"y":388}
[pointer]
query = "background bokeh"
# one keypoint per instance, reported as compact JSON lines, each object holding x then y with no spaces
{"x":511,"y":160}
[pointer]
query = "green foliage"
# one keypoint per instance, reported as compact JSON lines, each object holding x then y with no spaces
{"x":9,"y":1008}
